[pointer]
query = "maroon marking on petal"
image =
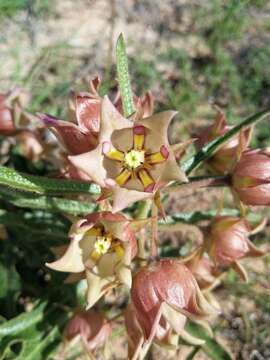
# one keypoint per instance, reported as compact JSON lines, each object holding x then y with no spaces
{"x":164,"y":151}
{"x":150,"y":188}
{"x":106,"y":147}
{"x":139,"y":130}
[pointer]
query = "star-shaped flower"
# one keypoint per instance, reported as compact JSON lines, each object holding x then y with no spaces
{"x":133,"y":158}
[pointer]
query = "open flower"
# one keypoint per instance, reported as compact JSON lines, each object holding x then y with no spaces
{"x":102,"y":246}
{"x":133,"y":158}
{"x":251,"y":178}
{"x":224,"y":159}
{"x":92,"y":328}
{"x":228,"y":242}
{"x":163,"y":295}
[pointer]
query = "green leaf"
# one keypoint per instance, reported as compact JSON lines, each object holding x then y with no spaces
{"x":22,"y":322}
{"x":53,"y":204}
{"x":42,"y":185}
{"x":123,"y":77}
{"x":210,"y":148}
{"x":10,"y":283}
{"x":211,"y":347}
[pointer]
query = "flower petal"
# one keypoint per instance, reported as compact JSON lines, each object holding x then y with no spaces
{"x":88,"y":113}
{"x":92,"y":164}
{"x":111,"y":120}
{"x":71,"y":261}
{"x":123,"y":197}
{"x":96,"y":288}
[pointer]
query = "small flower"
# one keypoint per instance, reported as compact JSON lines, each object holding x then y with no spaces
{"x":133,"y":159}
{"x":251,"y":178}
{"x":163,"y":295}
{"x":102,"y":246}
{"x":224,"y":159}
{"x":228,"y":242}
{"x":92,"y":328}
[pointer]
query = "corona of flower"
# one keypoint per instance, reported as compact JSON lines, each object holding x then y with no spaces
{"x":101,"y":249}
{"x":133,"y":158}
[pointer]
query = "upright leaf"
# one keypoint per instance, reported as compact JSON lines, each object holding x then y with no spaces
{"x":123,"y":77}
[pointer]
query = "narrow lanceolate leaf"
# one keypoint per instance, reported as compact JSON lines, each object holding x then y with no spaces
{"x":22,"y":322}
{"x":211,"y":348}
{"x":42,"y":185}
{"x":123,"y":77}
{"x":210,"y":148}
{"x":53,"y":204}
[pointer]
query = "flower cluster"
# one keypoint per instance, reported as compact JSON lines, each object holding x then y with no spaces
{"x":132,"y":162}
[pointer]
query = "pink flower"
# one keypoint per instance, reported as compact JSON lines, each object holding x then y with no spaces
{"x":251,"y":178}
{"x":102,"y":247}
{"x":94,"y":330}
{"x":133,"y":158}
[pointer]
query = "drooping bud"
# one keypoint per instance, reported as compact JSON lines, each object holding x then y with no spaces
{"x":163,"y":294}
{"x":93,"y":329}
{"x":251,"y":178}
{"x":224,"y":159}
{"x":228,"y":242}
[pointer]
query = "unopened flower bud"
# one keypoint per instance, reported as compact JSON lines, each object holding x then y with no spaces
{"x":251,"y":178}
{"x":224,"y":159}
{"x":163,"y":294}
{"x":228,"y":242}
{"x":91,"y":326}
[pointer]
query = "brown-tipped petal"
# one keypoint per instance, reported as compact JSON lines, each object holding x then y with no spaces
{"x":147,"y":104}
{"x":92,"y":164}
{"x":123,"y":197}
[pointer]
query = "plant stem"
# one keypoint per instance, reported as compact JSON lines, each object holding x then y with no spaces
{"x":198,"y":182}
{"x":154,"y":248}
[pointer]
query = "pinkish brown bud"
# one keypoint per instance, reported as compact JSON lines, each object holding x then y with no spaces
{"x":6,"y":118}
{"x":251,"y":178}
{"x":166,"y":291}
{"x":228,"y":242}
{"x":203,"y":270}
{"x":91,"y":326}
{"x":224,"y":159}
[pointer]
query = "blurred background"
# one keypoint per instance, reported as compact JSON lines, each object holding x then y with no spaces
{"x":192,"y":54}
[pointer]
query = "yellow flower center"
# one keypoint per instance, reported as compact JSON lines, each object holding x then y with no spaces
{"x":134,"y":159}
{"x":102,"y":245}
